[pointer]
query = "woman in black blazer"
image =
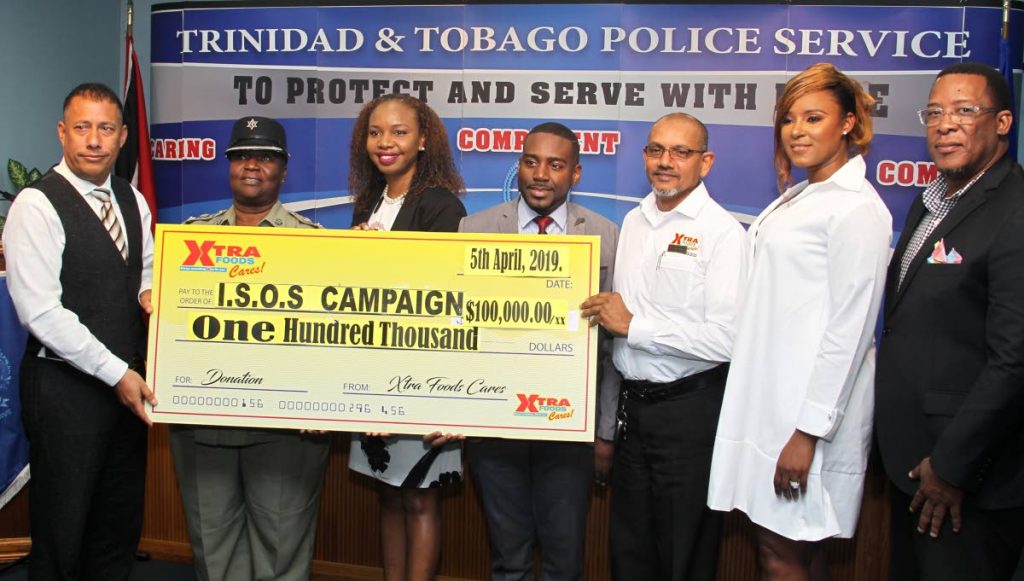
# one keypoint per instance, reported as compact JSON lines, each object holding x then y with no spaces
{"x":403,"y":177}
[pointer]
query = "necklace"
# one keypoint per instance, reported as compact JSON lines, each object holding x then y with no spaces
{"x":393,"y":201}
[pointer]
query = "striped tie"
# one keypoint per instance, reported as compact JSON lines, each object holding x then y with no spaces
{"x":109,"y":218}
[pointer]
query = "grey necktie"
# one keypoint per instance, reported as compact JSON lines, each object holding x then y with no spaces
{"x":109,"y":218}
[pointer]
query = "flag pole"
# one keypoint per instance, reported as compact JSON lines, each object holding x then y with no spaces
{"x":131,"y":8}
{"x":1006,"y":66}
{"x":128,"y":37}
{"x":134,"y":162}
{"x":1006,"y":18}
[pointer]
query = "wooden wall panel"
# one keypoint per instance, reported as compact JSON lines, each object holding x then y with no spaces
{"x":164,"y":518}
{"x":738,"y":557}
{"x":348,"y":535}
{"x":596,"y":560}
{"x":14,"y":541}
{"x":14,"y":516}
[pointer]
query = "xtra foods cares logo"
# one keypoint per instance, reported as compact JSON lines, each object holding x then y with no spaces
{"x":208,"y":256}
{"x":553,"y":408}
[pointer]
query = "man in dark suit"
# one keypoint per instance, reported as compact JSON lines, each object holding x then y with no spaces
{"x":535,"y":490}
{"x":80,"y":258}
{"x":950,"y":380}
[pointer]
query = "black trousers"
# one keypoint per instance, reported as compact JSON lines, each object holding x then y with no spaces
{"x":987,"y":548}
{"x":661,"y":527}
{"x":534,"y":492}
{"x":88,"y":457}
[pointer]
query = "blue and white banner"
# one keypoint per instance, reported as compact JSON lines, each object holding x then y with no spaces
{"x":13,"y":444}
{"x":492,"y":71}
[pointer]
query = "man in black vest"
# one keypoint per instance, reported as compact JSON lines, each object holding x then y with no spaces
{"x":80,"y":258}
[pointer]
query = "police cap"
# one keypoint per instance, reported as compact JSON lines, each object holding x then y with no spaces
{"x":258,"y":134}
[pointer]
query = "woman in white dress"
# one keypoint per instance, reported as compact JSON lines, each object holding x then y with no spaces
{"x":795,"y":429}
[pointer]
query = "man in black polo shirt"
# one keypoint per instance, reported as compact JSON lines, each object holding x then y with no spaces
{"x":79,"y":262}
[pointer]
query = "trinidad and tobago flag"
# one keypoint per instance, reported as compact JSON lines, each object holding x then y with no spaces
{"x":134,"y":162}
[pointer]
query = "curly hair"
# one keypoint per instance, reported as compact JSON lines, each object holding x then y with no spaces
{"x":435,"y":167}
{"x":847,"y":92}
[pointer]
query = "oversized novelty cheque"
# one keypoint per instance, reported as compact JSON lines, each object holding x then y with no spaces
{"x":401,"y":332}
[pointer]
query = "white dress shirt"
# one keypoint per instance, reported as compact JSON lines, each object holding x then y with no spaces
{"x":804,"y":356}
{"x":527,"y":215}
{"x":684,"y":298}
{"x":34,"y":246}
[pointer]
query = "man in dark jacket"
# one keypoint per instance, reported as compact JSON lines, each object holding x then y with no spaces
{"x":950,"y":379}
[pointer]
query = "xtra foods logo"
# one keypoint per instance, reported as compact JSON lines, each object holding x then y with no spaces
{"x":208,"y":256}
{"x":539,"y":406}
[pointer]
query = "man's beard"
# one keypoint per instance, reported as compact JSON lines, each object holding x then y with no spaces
{"x":954,"y":172}
{"x":670,"y":193}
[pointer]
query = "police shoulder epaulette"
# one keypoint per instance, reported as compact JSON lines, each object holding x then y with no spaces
{"x":304,"y":219}
{"x":205,"y":217}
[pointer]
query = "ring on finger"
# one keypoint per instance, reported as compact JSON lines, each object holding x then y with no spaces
{"x":794,"y":484}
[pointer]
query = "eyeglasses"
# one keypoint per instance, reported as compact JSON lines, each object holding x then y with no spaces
{"x":676,"y":153}
{"x":962,"y":115}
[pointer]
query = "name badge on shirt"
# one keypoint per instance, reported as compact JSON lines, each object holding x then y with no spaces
{"x":684,"y":244}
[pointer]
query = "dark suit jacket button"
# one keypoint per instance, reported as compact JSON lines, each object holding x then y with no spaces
{"x":886,"y":331}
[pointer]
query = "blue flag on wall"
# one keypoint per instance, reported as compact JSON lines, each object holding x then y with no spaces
{"x":13,"y":444}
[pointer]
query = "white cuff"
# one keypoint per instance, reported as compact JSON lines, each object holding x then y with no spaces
{"x":817,"y":420}
{"x":640,"y":334}
{"x":112,"y":371}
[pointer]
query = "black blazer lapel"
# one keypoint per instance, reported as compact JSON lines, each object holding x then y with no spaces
{"x":971,"y":201}
{"x":403,"y":221}
{"x":963,"y":208}
{"x":892,"y":278}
